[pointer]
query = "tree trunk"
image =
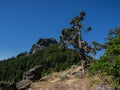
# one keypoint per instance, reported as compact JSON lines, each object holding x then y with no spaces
{"x":81,"y":49}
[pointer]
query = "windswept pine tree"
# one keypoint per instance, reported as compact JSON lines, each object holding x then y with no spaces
{"x":72,"y":37}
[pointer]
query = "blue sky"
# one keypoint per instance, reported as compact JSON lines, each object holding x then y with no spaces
{"x":23,"y":22}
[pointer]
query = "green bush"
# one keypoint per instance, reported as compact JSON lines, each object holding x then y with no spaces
{"x":109,"y":63}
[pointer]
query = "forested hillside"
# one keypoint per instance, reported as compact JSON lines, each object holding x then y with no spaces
{"x":52,"y":59}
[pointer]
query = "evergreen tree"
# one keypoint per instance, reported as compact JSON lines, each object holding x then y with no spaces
{"x":108,"y":67}
{"x":72,"y":37}
{"x":112,"y":34}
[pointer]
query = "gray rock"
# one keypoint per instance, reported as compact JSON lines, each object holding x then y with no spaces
{"x":77,"y":74}
{"x":7,"y":86}
{"x":42,"y":43}
{"x":29,"y":77}
{"x":63,"y":76}
{"x":33,"y":74}
{"x":23,"y":85}
{"x":105,"y":87}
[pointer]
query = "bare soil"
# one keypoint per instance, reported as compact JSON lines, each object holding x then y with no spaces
{"x":66,"y":80}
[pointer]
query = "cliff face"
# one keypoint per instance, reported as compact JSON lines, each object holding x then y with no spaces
{"x":42,"y":43}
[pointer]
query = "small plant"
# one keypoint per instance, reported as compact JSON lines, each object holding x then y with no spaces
{"x":63,"y":76}
{"x":95,"y":81}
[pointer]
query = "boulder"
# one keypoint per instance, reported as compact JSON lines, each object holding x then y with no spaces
{"x":7,"y":86}
{"x":33,"y":74}
{"x":23,"y":85}
{"x":29,"y":77}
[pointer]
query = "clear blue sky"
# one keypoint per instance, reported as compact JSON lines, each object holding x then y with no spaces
{"x":23,"y":22}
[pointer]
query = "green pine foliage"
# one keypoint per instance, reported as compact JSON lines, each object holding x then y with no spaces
{"x":109,"y":63}
{"x":52,"y":58}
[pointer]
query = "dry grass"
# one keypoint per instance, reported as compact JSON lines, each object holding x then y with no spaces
{"x":69,"y":82}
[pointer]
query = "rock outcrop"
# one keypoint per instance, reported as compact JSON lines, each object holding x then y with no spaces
{"x":33,"y":74}
{"x":29,"y":77}
{"x":23,"y":85}
{"x":42,"y":43}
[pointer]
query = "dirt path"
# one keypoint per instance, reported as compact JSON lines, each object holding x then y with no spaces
{"x":71,"y":79}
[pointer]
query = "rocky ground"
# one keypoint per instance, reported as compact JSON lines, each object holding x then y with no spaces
{"x":72,"y":79}
{"x":32,"y":75}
